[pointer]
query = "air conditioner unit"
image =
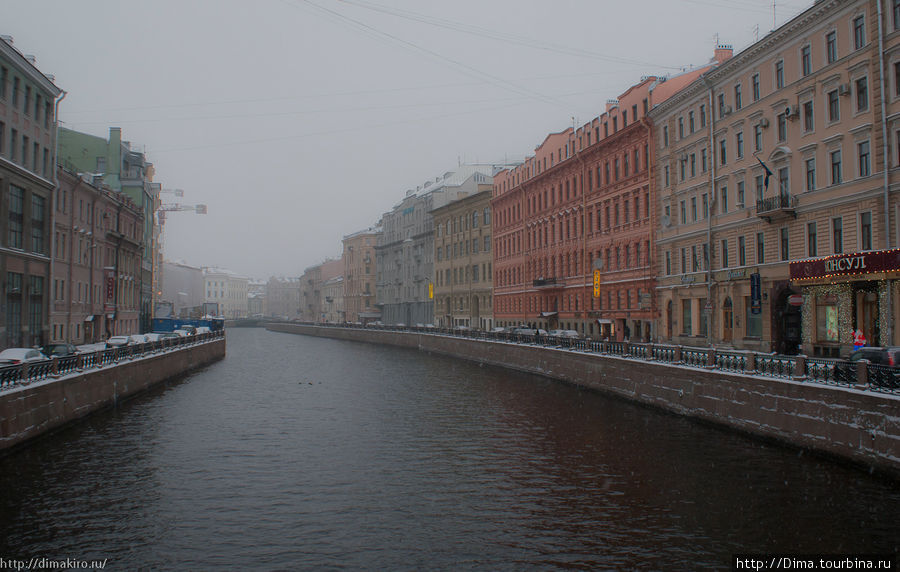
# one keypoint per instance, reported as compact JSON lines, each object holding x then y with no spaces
{"x":684,"y":156}
{"x":844,"y":89}
{"x":667,"y":222}
{"x":791,"y":112}
{"x":764,"y":123}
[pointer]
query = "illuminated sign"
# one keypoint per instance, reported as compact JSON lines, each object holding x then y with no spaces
{"x":846,"y":265}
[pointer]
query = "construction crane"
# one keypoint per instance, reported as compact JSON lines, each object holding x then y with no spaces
{"x":178,"y":207}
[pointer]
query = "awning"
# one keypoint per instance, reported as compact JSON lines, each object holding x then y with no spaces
{"x":604,"y":321}
{"x":111,"y":316}
{"x":548,"y":314}
{"x":89,"y":319}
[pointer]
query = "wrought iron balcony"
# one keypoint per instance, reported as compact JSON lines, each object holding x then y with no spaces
{"x":778,"y":207}
{"x":547,"y":283}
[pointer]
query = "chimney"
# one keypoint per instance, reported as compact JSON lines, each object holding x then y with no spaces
{"x":723,"y":52}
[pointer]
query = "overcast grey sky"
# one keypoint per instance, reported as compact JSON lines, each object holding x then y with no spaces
{"x":299,"y":121}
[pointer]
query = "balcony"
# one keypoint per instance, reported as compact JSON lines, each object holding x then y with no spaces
{"x":547,"y":283}
{"x":775,"y":208}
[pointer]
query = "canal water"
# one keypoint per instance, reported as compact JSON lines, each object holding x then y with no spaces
{"x":301,"y":453}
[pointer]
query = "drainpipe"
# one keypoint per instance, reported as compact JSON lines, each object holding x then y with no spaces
{"x":53,"y":202}
{"x":712,"y":191}
{"x":889,"y":327}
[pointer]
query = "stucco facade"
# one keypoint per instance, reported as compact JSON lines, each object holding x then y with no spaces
{"x":359,"y":276}
{"x":228,"y":290}
{"x":796,"y":142}
{"x":28,"y":125}
{"x":463,"y":262}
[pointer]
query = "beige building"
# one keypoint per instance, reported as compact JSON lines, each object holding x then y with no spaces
{"x":778,"y":155}
{"x":463,"y":272}
{"x":359,"y":276}
{"x":228,"y":290}
{"x":333,"y":300}
{"x":283,"y":298}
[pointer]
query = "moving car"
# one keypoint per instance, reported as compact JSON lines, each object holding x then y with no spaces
{"x":13,"y":356}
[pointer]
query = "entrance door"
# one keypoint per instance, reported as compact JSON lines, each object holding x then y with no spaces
{"x":669,"y":321}
{"x":727,"y":321}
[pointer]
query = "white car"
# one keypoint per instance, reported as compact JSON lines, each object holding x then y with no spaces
{"x":138,"y":339}
{"x":183,"y":333}
{"x":118,"y":342}
{"x":13,"y":356}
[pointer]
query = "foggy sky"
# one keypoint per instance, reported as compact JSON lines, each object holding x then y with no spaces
{"x":300,"y":121}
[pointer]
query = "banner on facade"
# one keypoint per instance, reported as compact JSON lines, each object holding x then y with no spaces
{"x":846,"y":265}
{"x":755,"y":293}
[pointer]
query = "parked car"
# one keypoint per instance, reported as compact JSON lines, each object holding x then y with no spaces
{"x":137,"y":339}
{"x":59,"y":350}
{"x":202,"y":330}
{"x":571,"y":334}
{"x":878,"y":356}
{"x":182,"y":333}
{"x":156,"y":336}
{"x":13,"y":356}
{"x":117,"y":342}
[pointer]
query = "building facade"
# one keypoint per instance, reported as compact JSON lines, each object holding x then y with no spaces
{"x":333,"y":300}
{"x":798,"y":129}
{"x":463,"y":263}
{"x":184,"y":287}
{"x":405,"y":250}
{"x":359,"y":276}
{"x":96,"y":262}
{"x":228,"y":291}
{"x":28,"y":107}
{"x":283,"y":298}
{"x":582,"y":203}
{"x":125,"y":169}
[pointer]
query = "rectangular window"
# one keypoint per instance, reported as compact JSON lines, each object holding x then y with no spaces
{"x":837,"y":235}
{"x":14,"y":308}
{"x":865,"y":231}
{"x":760,"y":248}
{"x":863,"y":155}
{"x":665,"y":135}
{"x":691,"y":127}
{"x":703,"y":161}
{"x":668,"y":263}
{"x":737,"y":97}
{"x":808,"y":118}
{"x":779,"y":74}
{"x":862,"y":94}
{"x":836,"y":167}
{"x":831,"y":47}
{"x":785,"y":244}
{"x":784,"y":181}
{"x":740,"y":194}
{"x":811,"y":239}
{"x":755,"y":83}
{"x":702,"y":115}
{"x":782,"y":127}
{"x":693,"y":209}
{"x":834,"y":106}
{"x":759,"y":187}
{"x":16,"y":214}
{"x":723,"y":156}
{"x":686,"y":317}
{"x":724,"y":193}
{"x":811,"y":174}
{"x":859,"y":32}
{"x":681,"y":127}
{"x":37,"y":224}
{"x":742,"y":252}
{"x":805,"y":61}
{"x":721,"y":100}
{"x":757,"y":137}
{"x":724,"y":254}
{"x":739,"y":144}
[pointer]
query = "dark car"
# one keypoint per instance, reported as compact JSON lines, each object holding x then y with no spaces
{"x":59,"y":350}
{"x":878,"y":356}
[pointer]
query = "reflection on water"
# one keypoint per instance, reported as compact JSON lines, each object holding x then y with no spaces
{"x":299,"y":452}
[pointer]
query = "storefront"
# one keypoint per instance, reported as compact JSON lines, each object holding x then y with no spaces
{"x":844,"y":293}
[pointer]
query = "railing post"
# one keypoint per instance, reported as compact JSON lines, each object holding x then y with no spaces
{"x":751,"y":362}
{"x":54,"y":366}
{"x":800,"y":367}
{"x":626,"y":348}
{"x":23,"y":376}
{"x":711,"y":359}
{"x":862,"y":373}
{"x":677,"y":357}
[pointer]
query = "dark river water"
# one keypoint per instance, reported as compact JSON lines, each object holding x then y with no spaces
{"x":298,"y":453}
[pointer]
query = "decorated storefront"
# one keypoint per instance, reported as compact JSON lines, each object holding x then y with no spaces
{"x":847,"y":296}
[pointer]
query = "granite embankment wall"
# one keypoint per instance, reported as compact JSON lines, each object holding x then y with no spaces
{"x":28,"y":411}
{"x":857,"y":425}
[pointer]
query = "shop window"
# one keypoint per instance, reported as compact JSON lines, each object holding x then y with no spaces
{"x":686,"y":317}
{"x":827,"y":319}
{"x":753,"y":321}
